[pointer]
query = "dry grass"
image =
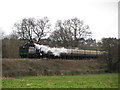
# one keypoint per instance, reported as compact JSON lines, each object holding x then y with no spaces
{"x":23,"y":67}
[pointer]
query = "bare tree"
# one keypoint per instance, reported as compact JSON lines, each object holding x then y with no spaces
{"x":62,"y":34}
{"x":32,"y":28}
{"x":42,"y":28}
{"x":79,"y":29}
{"x":25,"y":28}
{"x":70,"y":31}
{"x":2,"y":34}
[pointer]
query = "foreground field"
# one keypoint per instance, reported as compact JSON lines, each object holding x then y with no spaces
{"x":77,"y":81}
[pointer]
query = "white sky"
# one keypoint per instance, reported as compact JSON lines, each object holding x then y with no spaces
{"x":100,"y":15}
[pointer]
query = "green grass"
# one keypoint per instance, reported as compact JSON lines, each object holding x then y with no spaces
{"x":77,"y":81}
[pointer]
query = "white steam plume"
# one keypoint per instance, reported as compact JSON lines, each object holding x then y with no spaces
{"x":55,"y":51}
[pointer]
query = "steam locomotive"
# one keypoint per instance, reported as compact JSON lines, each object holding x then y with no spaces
{"x":29,"y":50}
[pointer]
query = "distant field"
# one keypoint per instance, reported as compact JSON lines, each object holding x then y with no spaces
{"x":77,"y":81}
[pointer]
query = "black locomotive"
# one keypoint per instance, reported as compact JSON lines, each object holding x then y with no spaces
{"x":29,"y":50}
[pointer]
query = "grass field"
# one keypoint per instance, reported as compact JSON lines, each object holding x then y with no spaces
{"x":77,"y":81}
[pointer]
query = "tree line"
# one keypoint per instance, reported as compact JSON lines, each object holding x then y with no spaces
{"x":65,"y":33}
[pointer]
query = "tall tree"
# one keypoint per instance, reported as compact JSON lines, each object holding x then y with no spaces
{"x":61,"y":35}
{"x":42,"y":28}
{"x":31,"y":28}
{"x":70,"y":31}
{"x":25,"y":28}
{"x":79,"y":29}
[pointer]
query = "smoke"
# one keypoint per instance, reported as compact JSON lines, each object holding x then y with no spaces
{"x":54,"y":51}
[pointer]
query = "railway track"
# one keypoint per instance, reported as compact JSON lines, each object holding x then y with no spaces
{"x":46,"y":59}
{"x":21,"y":59}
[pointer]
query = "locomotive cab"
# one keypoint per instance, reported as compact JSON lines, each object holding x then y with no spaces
{"x":28,"y":50}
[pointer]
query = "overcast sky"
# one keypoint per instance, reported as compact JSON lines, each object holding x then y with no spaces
{"x":100,"y":15}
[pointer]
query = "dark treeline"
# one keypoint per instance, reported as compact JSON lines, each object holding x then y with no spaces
{"x":70,"y":33}
{"x":111,"y":46}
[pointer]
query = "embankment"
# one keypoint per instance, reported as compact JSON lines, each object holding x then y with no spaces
{"x":40,"y":67}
